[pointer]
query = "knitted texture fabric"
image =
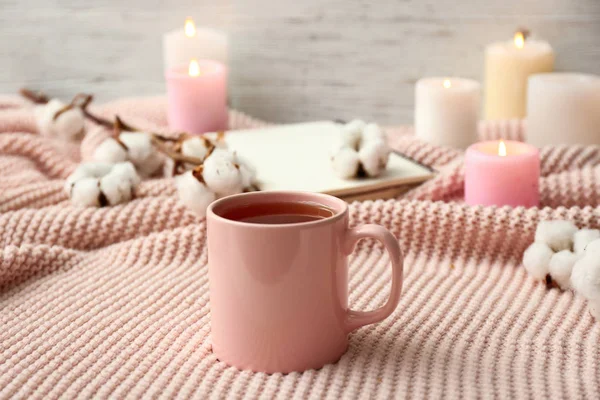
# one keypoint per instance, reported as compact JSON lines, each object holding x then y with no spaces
{"x":113,"y":302}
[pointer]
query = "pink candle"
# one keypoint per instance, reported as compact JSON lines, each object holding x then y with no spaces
{"x":502,"y":173}
{"x":197,"y":97}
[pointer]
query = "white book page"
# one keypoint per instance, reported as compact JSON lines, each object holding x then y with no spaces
{"x":298,"y":157}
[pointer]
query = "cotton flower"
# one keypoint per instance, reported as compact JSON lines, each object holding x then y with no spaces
{"x":194,"y":193}
{"x":85,"y":192}
{"x":556,"y":234}
{"x":224,"y":154}
{"x":360,"y":147}
{"x":99,"y":184}
{"x":222,"y":176}
{"x":583,"y":237}
{"x":560,"y":268}
{"x":374,"y":157}
{"x":345,"y":163}
{"x":198,"y":147}
{"x":87,"y":170}
{"x":132,"y":146}
{"x":110,"y":151}
{"x":248,"y":173}
{"x":586,"y":277}
{"x":141,"y":152}
{"x":593,"y":247}
{"x":536,"y":260}
{"x":373,"y":133}
{"x":351,"y":133}
{"x":53,"y":119}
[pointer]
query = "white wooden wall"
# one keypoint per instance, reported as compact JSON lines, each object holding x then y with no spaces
{"x":291,"y":60}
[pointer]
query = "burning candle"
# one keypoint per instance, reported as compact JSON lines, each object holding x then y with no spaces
{"x":563,"y":108}
{"x":190,"y":42}
{"x":502,"y":173}
{"x":197,"y":97}
{"x":447,"y":111}
{"x":507,"y":67}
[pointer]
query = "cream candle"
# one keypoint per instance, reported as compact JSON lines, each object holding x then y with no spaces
{"x":447,"y":111}
{"x":197,"y":97}
{"x":182,"y":45}
{"x":502,"y":173}
{"x":563,"y":108}
{"x":507,"y":67}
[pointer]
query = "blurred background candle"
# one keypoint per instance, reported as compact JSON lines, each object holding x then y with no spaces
{"x":191,"y":42}
{"x":507,"y":67}
{"x":502,"y":173}
{"x":563,"y":108}
{"x":197,"y":97}
{"x":447,"y":111}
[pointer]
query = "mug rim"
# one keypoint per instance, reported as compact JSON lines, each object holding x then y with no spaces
{"x":340,"y":208}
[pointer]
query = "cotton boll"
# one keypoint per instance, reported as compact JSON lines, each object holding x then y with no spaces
{"x":87,"y":170}
{"x":372,"y":133}
{"x":44,"y":116}
{"x":110,"y":151}
{"x":127,"y":172}
{"x":96,"y":169}
{"x":536,"y":260}
{"x":141,"y":152}
{"x":583,"y":237}
{"x":248,"y":174}
{"x":139,"y":146}
{"x":247,"y":171}
{"x":196,"y":147}
{"x":85,"y":193}
{"x":374,"y":157}
{"x":69,"y":125}
{"x":345,"y":163}
{"x":223,"y":154}
{"x":556,"y":234}
{"x":351,"y":133}
{"x":222,"y":176}
{"x":193,"y":193}
{"x":593,"y":247}
{"x":585,"y":277}
{"x":561,"y":266}
{"x":116,"y":188}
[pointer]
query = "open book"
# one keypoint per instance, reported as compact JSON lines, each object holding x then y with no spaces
{"x":298,"y":157}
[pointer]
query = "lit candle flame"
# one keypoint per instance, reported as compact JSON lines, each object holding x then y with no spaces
{"x":502,"y":149}
{"x":189,"y":27}
{"x":519,"y":40}
{"x":447,"y":83}
{"x":194,"y":68}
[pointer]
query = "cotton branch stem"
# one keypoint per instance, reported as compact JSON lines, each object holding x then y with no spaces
{"x":83,"y":100}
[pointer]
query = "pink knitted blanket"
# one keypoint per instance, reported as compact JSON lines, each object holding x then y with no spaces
{"x":113,"y":302}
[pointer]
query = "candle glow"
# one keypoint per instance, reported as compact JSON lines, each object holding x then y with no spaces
{"x":502,"y":149}
{"x":447,"y":83}
{"x":519,"y":40}
{"x":194,"y":68}
{"x":189,"y":27}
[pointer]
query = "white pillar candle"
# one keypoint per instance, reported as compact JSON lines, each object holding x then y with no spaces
{"x":507,"y":67}
{"x":563,"y":108}
{"x":447,"y":111}
{"x":182,"y":45}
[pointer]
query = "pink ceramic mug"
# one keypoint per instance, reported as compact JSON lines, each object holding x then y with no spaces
{"x":279,"y":292}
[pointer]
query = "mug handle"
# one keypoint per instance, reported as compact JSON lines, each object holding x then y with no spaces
{"x":356,"y":319}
